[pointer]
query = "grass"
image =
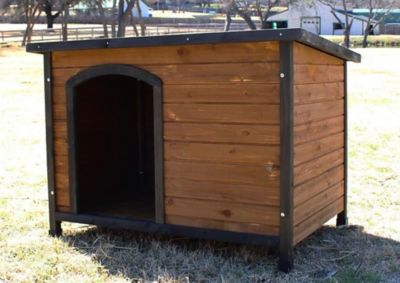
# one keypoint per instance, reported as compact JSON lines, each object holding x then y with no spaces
{"x":366,"y":251}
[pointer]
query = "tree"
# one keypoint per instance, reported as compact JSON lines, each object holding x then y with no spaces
{"x":32,"y":10}
{"x":124,"y":15}
{"x":374,"y":18}
{"x":48,"y":7}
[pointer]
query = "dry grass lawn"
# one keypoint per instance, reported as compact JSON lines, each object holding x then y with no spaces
{"x":366,"y":251}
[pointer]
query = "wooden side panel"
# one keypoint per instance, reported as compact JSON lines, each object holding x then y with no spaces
{"x":221,"y":130}
{"x":318,"y":139}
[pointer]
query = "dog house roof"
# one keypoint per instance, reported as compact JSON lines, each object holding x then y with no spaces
{"x":298,"y":35}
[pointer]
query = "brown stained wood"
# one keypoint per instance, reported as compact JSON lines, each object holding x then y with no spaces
{"x":303,"y":54}
{"x":222,"y":113}
{"x":260,"y":73}
{"x":267,"y":176}
{"x":255,"y":228}
{"x":311,"y":74}
{"x":205,"y":53}
{"x":317,"y":202}
{"x":238,"y":134}
{"x":222,"y":93}
{"x":59,"y":112}
{"x":317,"y":111}
{"x":60,"y":130}
{"x":60,"y":147}
{"x":209,"y":190}
{"x":61,"y":208}
{"x":224,"y":211}
{"x":61,"y":163}
{"x":62,"y":181}
{"x":313,"y":93}
{"x":307,"y":190}
{"x":222,"y":153}
{"x":59,"y":94}
{"x":310,"y":225}
{"x":313,"y":149}
{"x":315,"y":167}
{"x":318,"y":129}
{"x":62,"y":197}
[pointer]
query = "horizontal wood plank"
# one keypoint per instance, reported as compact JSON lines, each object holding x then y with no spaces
{"x":317,"y":185}
{"x":311,"y":74}
{"x":317,"y":111}
{"x":204,"y":53}
{"x":222,"y":113}
{"x":61,"y":208}
{"x":222,"y":133}
{"x":314,"y":93}
{"x":317,"y":202}
{"x":316,"y":148}
{"x":222,"y":153}
{"x":318,"y":129}
{"x":311,"y":224}
{"x":267,"y":175}
{"x":313,"y":168}
{"x":224,"y":211}
{"x":209,"y":190}
{"x":303,"y":54}
{"x":255,"y":228}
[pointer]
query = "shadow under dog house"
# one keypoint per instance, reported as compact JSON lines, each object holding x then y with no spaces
{"x":236,"y":136}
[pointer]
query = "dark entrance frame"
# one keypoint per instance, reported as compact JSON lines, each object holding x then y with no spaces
{"x":73,"y":139}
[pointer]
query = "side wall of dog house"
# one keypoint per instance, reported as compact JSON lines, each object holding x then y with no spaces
{"x":319,"y":139}
{"x":221,"y":130}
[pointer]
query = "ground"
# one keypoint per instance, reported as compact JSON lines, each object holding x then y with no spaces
{"x":366,"y":251}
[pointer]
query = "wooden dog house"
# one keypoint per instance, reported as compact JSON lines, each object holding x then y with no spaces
{"x":237,"y":136}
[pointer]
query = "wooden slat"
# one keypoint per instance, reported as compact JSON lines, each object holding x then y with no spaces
{"x":317,"y":202}
{"x":61,"y":163}
{"x":199,"y":73}
{"x":318,"y":184}
{"x":60,"y":147}
{"x":305,"y":228}
{"x":222,"y":93}
{"x":303,"y":54}
{"x":222,"y":113}
{"x":313,"y":93}
{"x":205,"y":53}
{"x":317,"y":111}
{"x":222,"y":153}
{"x":60,"y":130}
{"x":313,"y":149}
{"x":61,"y":208}
{"x":318,"y":129}
{"x":239,"y":134}
{"x":255,"y":228}
{"x":209,"y":190}
{"x":317,"y":166}
{"x":310,"y":74}
{"x":62,"y":197}
{"x":226,"y":173}
{"x":224,"y":211}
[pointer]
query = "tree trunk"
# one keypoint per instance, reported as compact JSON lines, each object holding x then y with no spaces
{"x":103,"y":17}
{"x":65,"y":23}
{"x":245,"y":17}
{"x":113,"y":19}
{"x":123,"y":16}
{"x":141,"y":22}
{"x":365,"y":37}
{"x":228,"y":21}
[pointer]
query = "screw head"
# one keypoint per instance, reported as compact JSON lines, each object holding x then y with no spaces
{"x":282,"y":214}
{"x":52,"y":193}
{"x":48,"y":79}
{"x":282,"y":75}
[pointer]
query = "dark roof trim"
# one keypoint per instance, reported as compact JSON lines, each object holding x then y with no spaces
{"x":299,"y":35}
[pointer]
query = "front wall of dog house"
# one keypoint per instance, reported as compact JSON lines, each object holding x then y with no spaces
{"x":221,"y":130}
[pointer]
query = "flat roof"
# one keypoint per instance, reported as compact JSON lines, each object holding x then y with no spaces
{"x":298,"y":35}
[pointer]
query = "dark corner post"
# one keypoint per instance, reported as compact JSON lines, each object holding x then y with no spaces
{"x":286,"y":157}
{"x":55,"y":226}
{"x":342,"y":216}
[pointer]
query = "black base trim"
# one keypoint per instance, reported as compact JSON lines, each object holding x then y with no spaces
{"x":342,"y":219}
{"x":56,"y":231}
{"x":168,"y":229}
{"x":285,"y":265}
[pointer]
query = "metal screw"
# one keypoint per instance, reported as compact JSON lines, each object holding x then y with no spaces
{"x":38,"y":46}
{"x":48,"y":79}
{"x":107,"y":43}
{"x":187,"y":38}
{"x":282,"y":75}
{"x":280,"y":34}
{"x":282,"y":214}
{"x":52,"y":193}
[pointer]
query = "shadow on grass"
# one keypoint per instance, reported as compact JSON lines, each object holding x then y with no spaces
{"x":332,"y":254}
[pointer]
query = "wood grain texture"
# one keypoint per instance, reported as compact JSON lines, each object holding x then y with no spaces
{"x":222,"y":133}
{"x":320,"y":92}
{"x":315,"y":167}
{"x":267,"y":175}
{"x":313,"y":130}
{"x":311,"y":74}
{"x":222,"y":153}
{"x":303,"y":54}
{"x":311,"y":224}
{"x":211,"y":190}
{"x":204,"y":53}
{"x":222,"y":113}
{"x":223,"y":211}
{"x":255,"y":228}
{"x":316,"y":148}
{"x":318,"y":184}
{"x":317,"y":111}
{"x":317,"y":202}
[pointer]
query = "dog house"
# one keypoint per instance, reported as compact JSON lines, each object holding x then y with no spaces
{"x":237,"y":136}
